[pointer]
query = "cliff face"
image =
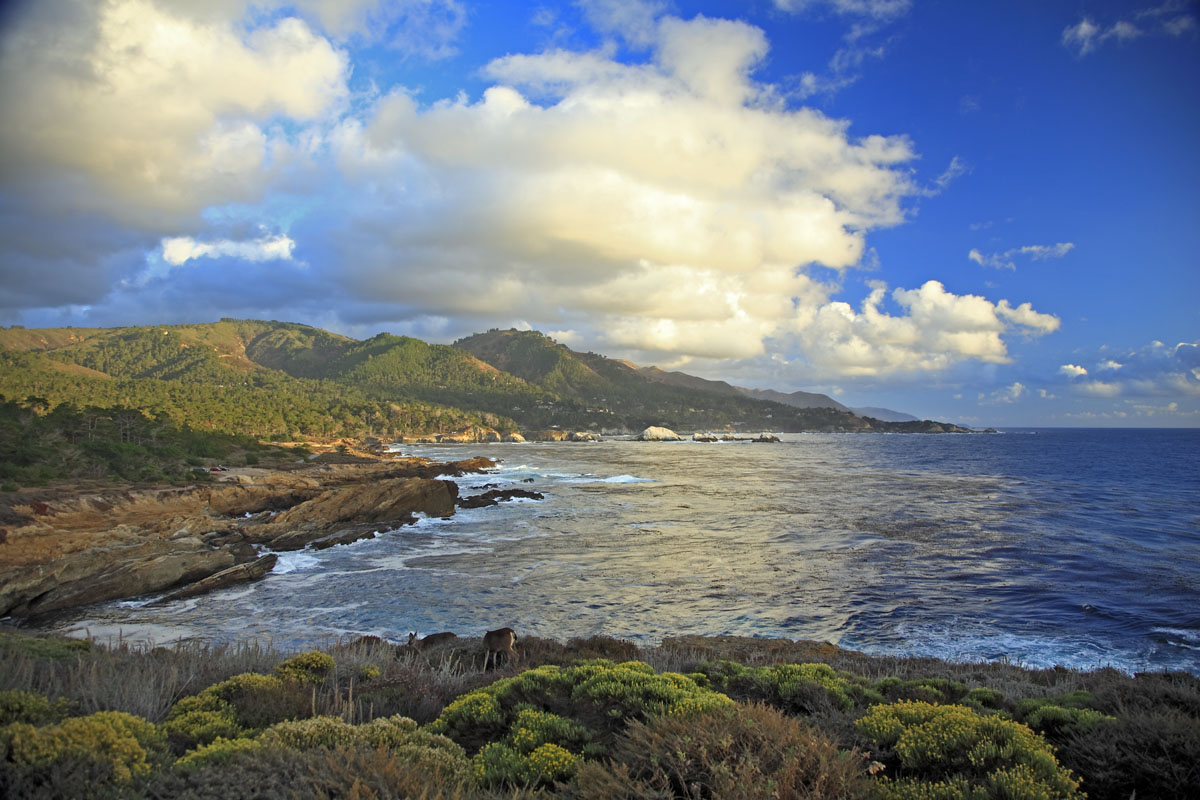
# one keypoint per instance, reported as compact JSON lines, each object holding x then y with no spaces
{"x":67,"y":549}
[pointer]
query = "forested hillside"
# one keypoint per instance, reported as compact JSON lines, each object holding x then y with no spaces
{"x":218,"y":377}
{"x":285,"y":381}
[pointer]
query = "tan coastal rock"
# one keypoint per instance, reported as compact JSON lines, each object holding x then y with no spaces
{"x":656,"y":433}
{"x":66,"y":547}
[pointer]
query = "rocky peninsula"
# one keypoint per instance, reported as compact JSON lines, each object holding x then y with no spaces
{"x":62,"y":548}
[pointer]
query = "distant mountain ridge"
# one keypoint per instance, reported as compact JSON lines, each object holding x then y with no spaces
{"x":797,"y":399}
{"x":280,"y":380}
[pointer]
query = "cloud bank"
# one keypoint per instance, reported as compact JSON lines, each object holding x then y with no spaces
{"x":671,"y":205}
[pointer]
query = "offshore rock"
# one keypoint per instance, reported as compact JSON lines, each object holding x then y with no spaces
{"x":656,"y":433}
{"x":494,"y":496}
{"x":515,"y":438}
{"x":552,"y":435}
{"x":226,"y":577}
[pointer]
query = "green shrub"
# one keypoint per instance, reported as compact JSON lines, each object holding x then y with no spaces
{"x":201,"y":727}
{"x":953,"y":751}
{"x":532,"y":729}
{"x":795,"y":688}
{"x":984,"y":699}
{"x":737,"y":753}
{"x":218,"y":751}
{"x":310,"y":667}
{"x":118,"y":746}
{"x":1055,"y":717}
{"x":247,"y":703}
{"x":929,"y":690}
{"x":51,"y":648}
{"x":276,"y":773}
{"x":31,"y":708}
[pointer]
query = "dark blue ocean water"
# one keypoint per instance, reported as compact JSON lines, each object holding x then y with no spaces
{"x":1041,"y":547}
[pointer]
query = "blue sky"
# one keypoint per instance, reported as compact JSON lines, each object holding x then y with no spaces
{"x":983,"y":212}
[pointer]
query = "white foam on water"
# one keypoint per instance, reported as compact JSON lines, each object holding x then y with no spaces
{"x":1181,"y":637}
{"x":971,"y":642}
{"x":138,"y":603}
{"x":295,"y":561}
{"x":610,"y":479}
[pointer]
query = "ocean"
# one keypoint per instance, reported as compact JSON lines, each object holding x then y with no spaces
{"x":1070,"y":547}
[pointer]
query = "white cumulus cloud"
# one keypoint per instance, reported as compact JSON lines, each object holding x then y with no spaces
{"x":670,"y":207}
{"x":178,"y":250}
{"x":152,"y":112}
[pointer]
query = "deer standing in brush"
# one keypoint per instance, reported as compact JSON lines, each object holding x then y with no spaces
{"x":497,"y":642}
{"x":432,"y":640}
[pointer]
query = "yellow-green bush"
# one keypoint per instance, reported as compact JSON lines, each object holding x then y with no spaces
{"x":119,"y":746}
{"x":305,"y":734}
{"x":218,"y":751}
{"x":310,"y":667}
{"x":30,"y":707}
{"x":939,"y":751}
{"x":499,"y":764}
{"x":533,"y":728}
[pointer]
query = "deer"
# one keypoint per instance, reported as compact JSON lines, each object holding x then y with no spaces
{"x":432,"y":640}
{"x":497,"y":642}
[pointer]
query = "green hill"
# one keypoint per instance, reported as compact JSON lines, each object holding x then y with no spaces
{"x":283,"y":381}
{"x":599,"y":392}
{"x":264,"y":379}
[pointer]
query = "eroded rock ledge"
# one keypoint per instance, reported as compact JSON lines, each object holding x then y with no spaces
{"x":66,"y":548}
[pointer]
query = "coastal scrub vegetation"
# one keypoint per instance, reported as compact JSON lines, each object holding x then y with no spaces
{"x":590,"y":718}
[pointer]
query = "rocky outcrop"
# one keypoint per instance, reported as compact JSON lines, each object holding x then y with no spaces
{"x":515,"y":438}
{"x":472,"y":435}
{"x":386,"y":503}
{"x":226,"y":577}
{"x":65,"y":548}
{"x":656,"y":433}
{"x":101,"y":574}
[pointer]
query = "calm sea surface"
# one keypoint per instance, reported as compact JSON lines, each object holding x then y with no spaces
{"x":1064,"y":546}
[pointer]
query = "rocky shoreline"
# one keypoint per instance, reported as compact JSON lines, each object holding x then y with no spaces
{"x":62,"y":548}
{"x":65,"y":548}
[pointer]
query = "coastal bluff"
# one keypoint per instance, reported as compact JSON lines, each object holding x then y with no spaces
{"x":64,"y":548}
